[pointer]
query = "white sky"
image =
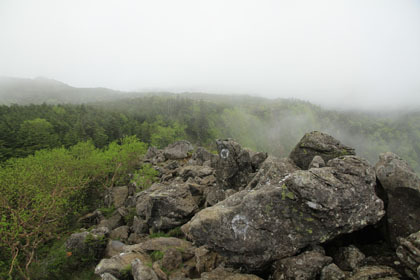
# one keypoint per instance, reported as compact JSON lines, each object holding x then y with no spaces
{"x":355,"y":53}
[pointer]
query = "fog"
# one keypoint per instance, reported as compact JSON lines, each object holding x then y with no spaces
{"x":352,"y":54}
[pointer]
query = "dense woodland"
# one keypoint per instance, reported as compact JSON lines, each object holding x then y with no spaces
{"x":57,"y":158}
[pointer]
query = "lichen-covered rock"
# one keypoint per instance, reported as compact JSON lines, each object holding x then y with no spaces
{"x":332,"y":272}
{"x":172,"y":259}
{"x":206,"y":260}
{"x":119,"y":262}
{"x":159,"y":244}
{"x":272,"y":170}
{"x":316,"y":143}
{"x":306,"y":266}
{"x":223,"y":274}
{"x":113,"y":247}
{"x":120,"y":233}
{"x":375,"y":272}
{"x":348,"y":258}
{"x":141,"y":271}
{"x":87,"y":244}
{"x":317,"y":162}
{"x":234,"y":165}
{"x":163,"y":207}
{"x":255,"y":227}
{"x":116,"y":220}
{"x":408,"y":252}
{"x":119,"y":195}
{"x":108,"y":276}
{"x":178,"y":150}
{"x":201,"y":155}
{"x":402,"y":186}
{"x":195,"y":171}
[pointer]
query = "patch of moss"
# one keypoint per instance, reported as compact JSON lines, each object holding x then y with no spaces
{"x":157,"y":255}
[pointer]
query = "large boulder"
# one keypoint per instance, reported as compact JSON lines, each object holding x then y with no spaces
{"x":223,"y":274}
{"x":234,"y":167}
{"x":164,"y":207}
{"x":255,"y":227}
{"x":402,"y":186}
{"x":178,"y":150}
{"x":316,"y":143}
{"x":118,"y":263}
{"x":88,"y":244}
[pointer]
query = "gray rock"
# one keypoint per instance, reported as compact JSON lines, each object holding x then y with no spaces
{"x":164,"y":207}
{"x":195,"y":171}
{"x":108,"y":276}
{"x":257,"y":159}
{"x":234,"y":165}
{"x":119,"y":262}
{"x":402,"y":186}
{"x":272,"y":170}
{"x":206,"y":260}
{"x":317,"y":162}
{"x":159,"y":272}
{"x":114,"y":247}
{"x":408,"y":252}
{"x":139,"y":225}
{"x":112,"y":222}
{"x":159,"y":244}
{"x":172,"y":259}
{"x":306,"y":266}
{"x":375,"y":272}
{"x":201,"y":155}
{"x":178,"y":150}
{"x":223,"y":274}
{"x":120,"y":233}
{"x":316,"y":143}
{"x":141,"y":271}
{"x":348,"y":258}
{"x":332,"y":272}
{"x":255,"y":227}
{"x":87,"y":244}
{"x":119,"y":195}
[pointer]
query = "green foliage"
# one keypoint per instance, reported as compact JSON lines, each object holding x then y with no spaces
{"x":145,"y":177}
{"x":38,"y":191}
{"x":129,"y":218}
{"x":157,"y":255}
{"x":125,"y":273}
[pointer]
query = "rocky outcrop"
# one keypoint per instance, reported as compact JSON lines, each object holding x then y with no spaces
{"x":163,"y":207}
{"x":318,"y":144}
{"x":234,"y":167}
{"x":141,"y":271}
{"x":402,"y":186}
{"x":178,"y":150}
{"x":223,"y":274}
{"x":255,"y":227}
{"x":119,"y":263}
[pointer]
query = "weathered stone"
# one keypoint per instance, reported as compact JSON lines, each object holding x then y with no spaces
{"x":223,"y":274}
{"x":120,"y":233}
{"x":119,"y":262}
{"x":348,"y":258}
{"x":272,"y":170}
{"x":108,"y":276}
{"x":317,"y":162}
{"x":87,"y":243}
{"x":114,"y":247}
{"x":141,"y":271}
{"x":164,"y":207}
{"x":332,"y":272}
{"x":159,"y":272}
{"x":178,"y":150}
{"x":112,"y":222}
{"x":172,"y":259}
{"x":234,"y":165}
{"x":195,"y":171}
{"x":408,"y":252}
{"x":201,"y":155}
{"x":402,"y":186}
{"x":306,"y":266}
{"x":316,"y":143}
{"x":139,"y":225}
{"x":375,"y":272}
{"x":257,"y":159}
{"x":159,"y":244}
{"x":214,"y":195}
{"x":206,"y":260}
{"x":253,"y":228}
{"x":119,"y":195}
{"x":93,"y":218}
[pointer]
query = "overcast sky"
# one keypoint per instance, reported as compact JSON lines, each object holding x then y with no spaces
{"x":356,"y":53}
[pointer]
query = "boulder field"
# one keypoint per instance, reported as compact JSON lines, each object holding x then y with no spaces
{"x":321,"y":213}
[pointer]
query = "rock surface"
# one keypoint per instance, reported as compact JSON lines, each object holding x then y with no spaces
{"x":318,"y":144}
{"x":234,"y":165}
{"x":163,"y":207}
{"x":222,"y":274}
{"x":403,"y":188}
{"x":408,"y":252}
{"x":255,"y":227}
{"x":305,"y":266}
{"x":178,"y":150}
{"x":141,"y":271}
